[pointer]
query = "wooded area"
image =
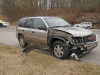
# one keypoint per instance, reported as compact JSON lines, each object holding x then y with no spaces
{"x":16,"y":9}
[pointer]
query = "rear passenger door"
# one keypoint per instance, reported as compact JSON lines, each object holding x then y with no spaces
{"x":85,"y":25}
{"x":28,"y":30}
{"x":39,"y":36}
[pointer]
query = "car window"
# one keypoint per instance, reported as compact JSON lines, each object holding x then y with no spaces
{"x":28,"y":23}
{"x":85,"y":23}
{"x":89,"y":23}
{"x":38,"y":22}
{"x":57,"y":22}
{"x":21,"y":22}
{"x":82,"y":23}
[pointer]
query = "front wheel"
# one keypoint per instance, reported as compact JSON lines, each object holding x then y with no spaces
{"x":59,"y":50}
{"x":22,"y":42}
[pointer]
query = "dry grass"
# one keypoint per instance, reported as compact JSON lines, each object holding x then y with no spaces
{"x":14,"y":23}
{"x":13,"y":63}
{"x":4,"y":18}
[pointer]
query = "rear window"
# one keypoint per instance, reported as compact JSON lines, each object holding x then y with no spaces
{"x":89,"y":23}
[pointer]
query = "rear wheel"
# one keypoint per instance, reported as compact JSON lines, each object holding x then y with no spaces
{"x":22,"y":42}
{"x":88,"y":27}
{"x":59,"y":51}
{"x":77,"y":26}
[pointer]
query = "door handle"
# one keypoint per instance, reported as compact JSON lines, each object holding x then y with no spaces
{"x":33,"y":32}
{"x":22,"y":30}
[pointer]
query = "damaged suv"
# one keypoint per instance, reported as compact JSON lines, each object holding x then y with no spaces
{"x":57,"y":34}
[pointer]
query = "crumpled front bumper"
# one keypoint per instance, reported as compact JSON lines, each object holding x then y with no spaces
{"x":89,"y":47}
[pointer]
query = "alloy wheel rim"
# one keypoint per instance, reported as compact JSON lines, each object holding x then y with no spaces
{"x":88,"y":27}
{"x":22,"y":41}
{"x":58,"y":50}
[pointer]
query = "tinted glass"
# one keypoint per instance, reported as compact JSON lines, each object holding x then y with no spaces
{"x":21,"y":22}
{"x":28,"y":23}
{"x":38,"y":22}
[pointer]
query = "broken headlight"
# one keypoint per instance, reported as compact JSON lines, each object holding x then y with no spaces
{"x":77,"y":40}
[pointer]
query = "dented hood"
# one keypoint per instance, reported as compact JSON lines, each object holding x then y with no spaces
{"x":76,"y":31}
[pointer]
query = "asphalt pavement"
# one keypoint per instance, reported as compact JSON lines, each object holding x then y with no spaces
{"x":8,"y":37}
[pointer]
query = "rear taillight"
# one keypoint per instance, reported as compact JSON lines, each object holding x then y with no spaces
{"x":16,"y":28}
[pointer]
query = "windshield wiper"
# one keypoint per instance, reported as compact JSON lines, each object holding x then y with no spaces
{"x":67,"y":26}
{"x":62,"y":26}
{"x":56,"y":26}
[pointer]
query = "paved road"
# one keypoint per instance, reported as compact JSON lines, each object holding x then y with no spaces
{"x":8,"y":37}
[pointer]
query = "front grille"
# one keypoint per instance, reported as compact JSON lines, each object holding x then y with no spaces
{"x":90,"y":38}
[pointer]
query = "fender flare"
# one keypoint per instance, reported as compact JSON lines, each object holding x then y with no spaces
{"x":51,"y":41}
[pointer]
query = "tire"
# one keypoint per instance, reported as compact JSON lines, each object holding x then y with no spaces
{"x":59,"y":51}
{"x":22,"y":42}
{"x":88,"y":27}
{"x":77,"y":26}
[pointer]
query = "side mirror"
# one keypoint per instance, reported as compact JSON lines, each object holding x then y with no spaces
{"x":42,"y":27}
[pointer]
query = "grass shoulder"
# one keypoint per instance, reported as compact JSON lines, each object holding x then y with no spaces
{"x":12,"y":62}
